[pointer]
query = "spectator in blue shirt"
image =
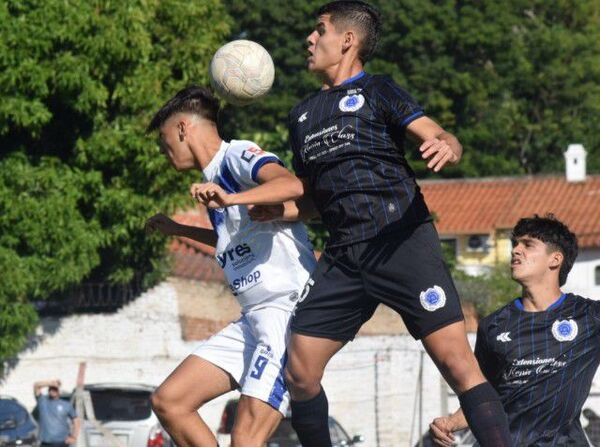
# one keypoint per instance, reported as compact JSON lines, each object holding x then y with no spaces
{"x":59,"y":424}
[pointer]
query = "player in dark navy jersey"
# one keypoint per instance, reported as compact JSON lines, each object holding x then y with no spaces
{"x":348,"y":149}
{"x":542,"y":350}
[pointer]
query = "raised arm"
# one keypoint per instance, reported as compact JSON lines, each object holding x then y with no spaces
{"x":39,"y":385}
{"x":436,"y":145}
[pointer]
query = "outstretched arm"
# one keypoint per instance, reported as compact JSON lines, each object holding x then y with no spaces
{"x":302,"y":208}
{"x":168,"y":227}
{"x":276,"y":185}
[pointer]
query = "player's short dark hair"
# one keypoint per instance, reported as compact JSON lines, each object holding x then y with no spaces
{"x":193,"y":99}
{"x":359,"y":14}
{"x":553,"y":233}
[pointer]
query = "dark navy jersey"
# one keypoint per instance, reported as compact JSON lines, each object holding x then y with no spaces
{"x":542,"y":365}
{"x":348,"y":142}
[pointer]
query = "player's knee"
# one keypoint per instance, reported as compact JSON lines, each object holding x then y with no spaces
{"x":299,"y":380}
{"x":159,"y":403}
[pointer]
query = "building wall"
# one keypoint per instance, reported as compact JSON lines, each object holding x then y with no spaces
{"x":581,"y":280}
{"x":373,"y":384}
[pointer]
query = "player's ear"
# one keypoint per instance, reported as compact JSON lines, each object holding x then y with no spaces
{"x":556,"y":259}
{"x":349,"y":40}
{"x":181,"y":129}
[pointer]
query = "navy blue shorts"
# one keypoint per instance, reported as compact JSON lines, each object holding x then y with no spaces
{"x":403,"y":270}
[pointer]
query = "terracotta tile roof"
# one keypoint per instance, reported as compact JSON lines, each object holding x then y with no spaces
{"x":470,"y":206}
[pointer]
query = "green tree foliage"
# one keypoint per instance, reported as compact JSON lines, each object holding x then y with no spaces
{"x":516,"y":80}
{"x":79,"y":81}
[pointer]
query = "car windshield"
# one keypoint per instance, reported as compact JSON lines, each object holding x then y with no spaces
{"x":11,"y":414}
{"x":121,"y":405}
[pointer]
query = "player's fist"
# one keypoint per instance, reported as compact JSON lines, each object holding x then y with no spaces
{"x":160,"y":222}
{"x":211,"y":195}
{"x":441,"y":431}
{"x":438,"y":153}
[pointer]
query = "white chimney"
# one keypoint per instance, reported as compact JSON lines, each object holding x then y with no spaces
{"x":575,"y":161}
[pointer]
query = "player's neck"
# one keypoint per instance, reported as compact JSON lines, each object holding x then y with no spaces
{"x":539,"y":297}
{"x":337,"y":74}
{"x":205,"y":146}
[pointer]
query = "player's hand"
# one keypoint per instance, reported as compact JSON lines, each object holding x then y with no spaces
{"x":439,"y":153}
{"x":70,"y":440}
{"x":211,"y":195}
{"x":162,"y":223}
{"x":266,"y":213}
{"x":441,"y":431}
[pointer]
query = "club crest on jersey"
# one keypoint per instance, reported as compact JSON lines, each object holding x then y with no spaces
{"x":352,"y":103}
{"x":565,"y":330}
{"x":433,"y":298}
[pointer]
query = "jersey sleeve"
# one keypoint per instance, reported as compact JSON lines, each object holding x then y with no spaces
{"x":242,"y":164}
{"x":398,"y":107}
{"x":487,"y":360}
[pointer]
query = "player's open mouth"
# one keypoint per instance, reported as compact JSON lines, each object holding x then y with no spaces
{"x":514,"y":261}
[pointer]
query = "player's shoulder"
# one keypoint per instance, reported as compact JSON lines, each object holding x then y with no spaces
{"x":583,"y":301}
{"x":238,"y":146}
{"x":496,"y":317}
{"x":301,"y":106}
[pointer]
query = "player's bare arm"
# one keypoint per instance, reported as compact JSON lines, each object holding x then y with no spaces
{"x":276,"y":185}
{"x":168,"y":227}
{"x":301,"y":209}
{"x":437,"y":146}
{"x":441,"y":429}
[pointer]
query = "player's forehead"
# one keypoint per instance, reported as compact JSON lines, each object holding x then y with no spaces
{"x":526,"y":239}
{"x":323,"y":21}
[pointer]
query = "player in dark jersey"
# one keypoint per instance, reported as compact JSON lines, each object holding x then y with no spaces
{"x":541,"y":351}
{"x":348,"y":149}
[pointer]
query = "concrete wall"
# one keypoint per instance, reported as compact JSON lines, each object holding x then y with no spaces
{"x":372,"y":383}
{"x":582,"y":279}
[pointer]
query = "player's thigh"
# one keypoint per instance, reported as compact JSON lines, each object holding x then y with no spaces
{"x":406,"y":271}
{"x":334,"y":304}
{"x":255,"y":419}
{"x":449,"y":348}
{"x":307,"y":358}
{"x":193,"y":383}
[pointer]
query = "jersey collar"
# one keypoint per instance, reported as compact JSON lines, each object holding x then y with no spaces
{"x":553,"y":306}
{"x":353,"y":78}
{"x":208,"y":171}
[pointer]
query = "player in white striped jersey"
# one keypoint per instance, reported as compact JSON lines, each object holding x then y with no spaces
{"x":266,"y":265}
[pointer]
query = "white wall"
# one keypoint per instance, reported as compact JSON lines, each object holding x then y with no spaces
{"x":581,"y":280}
{"x":372,"y":383}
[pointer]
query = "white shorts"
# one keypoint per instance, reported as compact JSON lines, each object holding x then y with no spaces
{"x":253,"y":350}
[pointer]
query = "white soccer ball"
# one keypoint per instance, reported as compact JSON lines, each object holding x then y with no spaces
{"x":241,"y":72}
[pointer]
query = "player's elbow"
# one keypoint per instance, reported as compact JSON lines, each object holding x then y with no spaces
{"x":295,"y":188}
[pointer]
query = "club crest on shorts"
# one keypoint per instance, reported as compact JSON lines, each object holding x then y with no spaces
{"x":433,"y":298}
{"x":565,"y":330}
{"x":352,"y":103}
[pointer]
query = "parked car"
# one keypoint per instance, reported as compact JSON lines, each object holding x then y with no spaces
{"x":284,"y":435}
{"x":17,"y":427}
{"x":125,"y":410}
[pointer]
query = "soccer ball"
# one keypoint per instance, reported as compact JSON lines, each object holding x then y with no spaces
{"x":241,"y":72}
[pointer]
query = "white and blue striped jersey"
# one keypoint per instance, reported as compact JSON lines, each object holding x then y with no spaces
{"x":266,"y":264}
